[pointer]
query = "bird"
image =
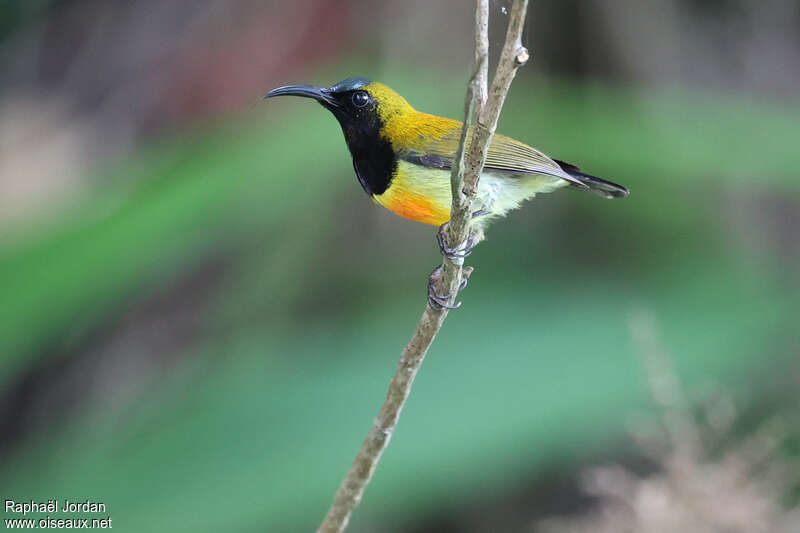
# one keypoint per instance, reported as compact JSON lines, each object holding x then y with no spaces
{"x":403,"y":159}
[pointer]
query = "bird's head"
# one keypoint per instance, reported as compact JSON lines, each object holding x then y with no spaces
{"x":362,"y":107}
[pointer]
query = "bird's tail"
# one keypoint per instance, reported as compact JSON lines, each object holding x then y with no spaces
{"x":595,"y":185}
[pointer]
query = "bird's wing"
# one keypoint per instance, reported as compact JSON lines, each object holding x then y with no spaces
{"x":436,"y":149}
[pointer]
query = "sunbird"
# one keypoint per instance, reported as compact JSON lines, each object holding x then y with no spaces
{"x":403,"y":158}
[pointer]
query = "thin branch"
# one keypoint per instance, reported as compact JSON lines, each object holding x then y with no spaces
{"x":481,"y":58}
{"x":464,"y":181}
{"x":513,"y":56}
{"x":473,"y":104}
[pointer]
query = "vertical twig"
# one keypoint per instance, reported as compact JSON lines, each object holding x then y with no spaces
{"x":513,"y":56}
{"x":482,"y":107}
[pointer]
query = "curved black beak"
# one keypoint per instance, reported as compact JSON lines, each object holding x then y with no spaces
{"x":319,"y":94}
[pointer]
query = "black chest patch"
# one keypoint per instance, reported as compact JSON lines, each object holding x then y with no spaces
{"x":373,"y":160}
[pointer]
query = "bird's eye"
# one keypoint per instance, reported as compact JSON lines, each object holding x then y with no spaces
{"x":360,"y":98}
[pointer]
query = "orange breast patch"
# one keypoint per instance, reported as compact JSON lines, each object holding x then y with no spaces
{"x":418,"y":209}
{"x":418,"y":194}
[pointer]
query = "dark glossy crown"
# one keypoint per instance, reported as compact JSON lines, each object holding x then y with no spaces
{"x":350,"y":84}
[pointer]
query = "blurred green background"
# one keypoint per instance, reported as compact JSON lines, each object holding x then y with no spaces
{"x":200,"y":310}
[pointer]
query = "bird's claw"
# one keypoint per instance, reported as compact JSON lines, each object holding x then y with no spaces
{"x":453,"y":253}
{"x":438,"y":301}
{"x":479,"y":213}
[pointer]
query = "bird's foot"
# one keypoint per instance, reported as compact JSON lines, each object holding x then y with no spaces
{"x":454,"y":253}
{"x":480,"y":213}
{"x":440,"y":301}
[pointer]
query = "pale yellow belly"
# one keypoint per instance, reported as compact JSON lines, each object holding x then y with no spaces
{"x":422,"y":194}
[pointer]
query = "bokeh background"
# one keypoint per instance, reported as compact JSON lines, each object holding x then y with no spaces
{"x":200,"y":309}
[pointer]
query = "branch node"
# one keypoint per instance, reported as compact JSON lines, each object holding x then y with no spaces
{"x":522,"y":56}
{"x":382,"y":429}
